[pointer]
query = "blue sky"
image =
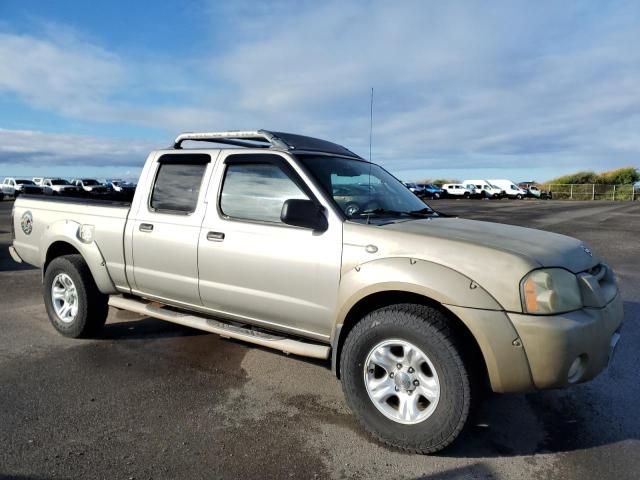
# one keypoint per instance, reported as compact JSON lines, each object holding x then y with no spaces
{"x":520,"y":90}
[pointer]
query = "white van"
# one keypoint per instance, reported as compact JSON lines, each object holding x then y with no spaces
{"x":511,"y":190}
{"x":485,"y":188}
{"x":458,"y":190}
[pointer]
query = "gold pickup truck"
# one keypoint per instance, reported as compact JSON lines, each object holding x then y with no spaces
{"x":416,"y":311}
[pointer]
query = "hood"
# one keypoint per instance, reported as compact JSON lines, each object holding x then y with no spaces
{"x":546,"y":249}
{"x":494,"y":255}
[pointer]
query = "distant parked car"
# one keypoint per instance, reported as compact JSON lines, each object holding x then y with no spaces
{"x":485,"y":188}
{"x":459,"y":190}
{"x":354,"y":199}
{"x":511,"y":190}
{"x":120,"y":186}
{"x":415,"y":188}
{"x":89,"y":185}
{"x":12,"y":187}
{"x":431,"y":191}
{"x":533,"y":191}
{"x":59,"y":186}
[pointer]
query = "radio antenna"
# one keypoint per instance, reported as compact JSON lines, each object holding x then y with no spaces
{"x":370,"y":142}
{"x":370,"y":130}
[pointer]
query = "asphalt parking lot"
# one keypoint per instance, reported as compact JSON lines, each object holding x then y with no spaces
{"x":151,"y":399}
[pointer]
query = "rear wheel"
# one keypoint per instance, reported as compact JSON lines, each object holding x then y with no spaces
{"x":75,"y":306}
{"x":466,"y":195}
{"x":404,"y":378}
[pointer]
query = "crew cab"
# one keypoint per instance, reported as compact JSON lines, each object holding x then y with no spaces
{"x":120,"y":186}
{"x":12,"y":187}
{"x":416,"y":310}
{"x":90,"y":185}
{"x":59,"y":186}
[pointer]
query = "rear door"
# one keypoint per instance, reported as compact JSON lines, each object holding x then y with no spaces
{"x":166,"y":228}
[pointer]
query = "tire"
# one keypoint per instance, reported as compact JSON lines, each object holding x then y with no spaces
{"x":352,"y":209}
{"x":518,"y":197}
{"x":90,"y":306}
{"x":466,"y":195}
{"x":427,"y":330}
{"x":436,"y":196}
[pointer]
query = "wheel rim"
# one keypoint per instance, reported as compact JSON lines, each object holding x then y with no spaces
{"x":352,"y":209}
{"x":401,"y":381}
{"x":64,"y":297}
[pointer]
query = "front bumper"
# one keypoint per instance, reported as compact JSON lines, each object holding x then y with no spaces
{"x":553,"y":343}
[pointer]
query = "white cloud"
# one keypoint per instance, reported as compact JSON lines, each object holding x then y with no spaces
{"x":67,"y":75}
{"x":473,"y":84}
{"x":26,"y":147}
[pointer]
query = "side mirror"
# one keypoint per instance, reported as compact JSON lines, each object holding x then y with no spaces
{"x":303,"y":213}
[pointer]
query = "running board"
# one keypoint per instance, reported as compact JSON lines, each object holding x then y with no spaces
{"x":225,"y":330}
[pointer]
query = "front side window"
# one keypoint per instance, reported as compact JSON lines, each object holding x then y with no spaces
{"x":177,"y":187}
{"x":257,"y":191}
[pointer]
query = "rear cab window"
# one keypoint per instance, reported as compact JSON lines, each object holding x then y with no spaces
{"x":178,"y":182}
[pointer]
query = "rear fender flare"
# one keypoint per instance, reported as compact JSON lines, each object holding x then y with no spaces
{"x":67,"y":231}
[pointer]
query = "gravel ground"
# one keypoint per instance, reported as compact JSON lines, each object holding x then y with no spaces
{"x":151,"y":399}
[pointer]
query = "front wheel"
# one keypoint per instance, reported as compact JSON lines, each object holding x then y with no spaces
{"x":75,"y":306}
{"x":404,"y":378}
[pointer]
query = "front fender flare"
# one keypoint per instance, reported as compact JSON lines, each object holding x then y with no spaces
{"x":437,"y":282}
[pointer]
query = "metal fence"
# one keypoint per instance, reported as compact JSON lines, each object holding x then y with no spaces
{"x":592,"y":191}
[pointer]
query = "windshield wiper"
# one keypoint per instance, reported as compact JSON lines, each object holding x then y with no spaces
{"x":424,"y":212}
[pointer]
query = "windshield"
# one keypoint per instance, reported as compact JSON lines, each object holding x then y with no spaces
{"x":24,"y":182}
{"x":59,"y":182}
{"x":362,"y":189}
{"x":90,"y":182}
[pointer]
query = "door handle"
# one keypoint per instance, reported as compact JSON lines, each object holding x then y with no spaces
{"x":146,"y":227}
{"x":215,"y":236}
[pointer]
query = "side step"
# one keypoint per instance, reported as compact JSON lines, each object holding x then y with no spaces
{"x":225,"y":330}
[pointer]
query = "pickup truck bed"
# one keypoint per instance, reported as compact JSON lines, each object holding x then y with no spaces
{"x":50,"y":221}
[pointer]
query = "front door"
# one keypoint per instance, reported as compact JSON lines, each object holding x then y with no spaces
{"x":255,"y":268}
{"x":166,"y":229}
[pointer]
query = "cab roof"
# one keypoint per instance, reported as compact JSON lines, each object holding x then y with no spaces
{"x":266,"y":139}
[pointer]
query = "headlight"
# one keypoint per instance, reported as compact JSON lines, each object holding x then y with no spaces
{"x":551,"y":290}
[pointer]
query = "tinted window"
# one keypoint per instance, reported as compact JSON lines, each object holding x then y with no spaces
{"x":59,"y":182}
{"x":177,"y":187}
{"x":257,"y":191}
